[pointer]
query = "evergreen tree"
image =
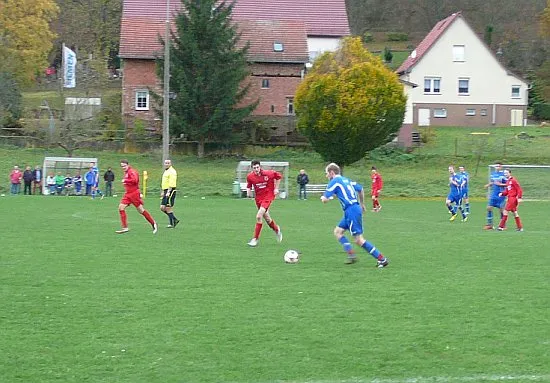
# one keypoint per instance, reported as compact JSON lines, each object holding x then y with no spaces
{"x":207,"y":68}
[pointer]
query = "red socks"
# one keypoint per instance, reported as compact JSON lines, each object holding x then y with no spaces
{"x":148,"y":217}
{"x":123,"y":219}
{"x":257,"y":230}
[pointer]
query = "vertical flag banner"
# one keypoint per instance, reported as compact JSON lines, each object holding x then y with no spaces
{"x":69,"y":68}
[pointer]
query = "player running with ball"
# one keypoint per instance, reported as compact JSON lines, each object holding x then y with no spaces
{"x":266,"y":187}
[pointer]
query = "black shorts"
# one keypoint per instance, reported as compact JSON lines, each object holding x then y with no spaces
{"x":170,"y":200}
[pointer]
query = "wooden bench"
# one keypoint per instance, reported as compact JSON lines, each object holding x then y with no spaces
{"x":316,"y":188}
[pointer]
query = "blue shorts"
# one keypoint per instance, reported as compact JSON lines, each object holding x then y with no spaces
{"x":497,"y":202}
{"x":456,"y":198}
{"x":464,"y":193}
{"x":353,"y":220}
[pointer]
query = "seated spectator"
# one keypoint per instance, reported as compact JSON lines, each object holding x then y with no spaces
{"x":59,"y":183}
{"x":77,"y":181}
{"x":50,"y":182}
{"x":68,"y":184}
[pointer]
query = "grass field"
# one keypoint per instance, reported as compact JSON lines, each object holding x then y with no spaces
{"x":195,"y":304}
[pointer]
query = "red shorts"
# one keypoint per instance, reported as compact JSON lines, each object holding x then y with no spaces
{"x":132,"y":198}
{"x":265,"y":203}
{"x":375,"y":193}
{"x":511,"y":204}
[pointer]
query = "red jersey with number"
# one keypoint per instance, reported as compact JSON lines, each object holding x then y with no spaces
{"x":513,"y":190}
{"x":263,"y":183}
{"x":131,"y":180}
{"x":377,"y":182}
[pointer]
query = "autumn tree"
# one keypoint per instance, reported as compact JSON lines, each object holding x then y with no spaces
{"x":26,"y":35}
{"x":349,"y":104}
{"x":207,"y":68}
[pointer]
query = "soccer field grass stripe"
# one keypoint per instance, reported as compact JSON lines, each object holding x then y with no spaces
{"x":432,"y":379}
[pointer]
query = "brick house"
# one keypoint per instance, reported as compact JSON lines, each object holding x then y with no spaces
{"x":462,"y":83}
{"x":283,"y":35}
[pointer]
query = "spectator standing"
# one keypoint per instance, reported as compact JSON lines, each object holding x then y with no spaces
{"x":109,"y":178}
{"x":15,"y":180}
{"x":37,"y":181}
{"x":302,"y":179}
{"x":59,"y":183}
{"x":28,"y":177}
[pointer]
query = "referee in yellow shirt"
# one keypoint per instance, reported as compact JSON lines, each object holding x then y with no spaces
{"x":168,"y":194}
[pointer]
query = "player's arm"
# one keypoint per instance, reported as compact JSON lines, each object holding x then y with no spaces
{"x":248,"y":188}
{"x":519,"y":192}
{"x":276,"y":190}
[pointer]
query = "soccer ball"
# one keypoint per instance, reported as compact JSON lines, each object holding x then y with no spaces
{"x":291,"y":256}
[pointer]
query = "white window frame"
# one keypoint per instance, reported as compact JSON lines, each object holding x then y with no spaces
{"x":463,"y":93}
{"x":432,"y":80}
{"x":470,"y":112}
{"x":518,"y":94}
{"x":440,"y":113}
{"x":483,"y":112}
{"x":264,"y":82}
{"x":278,"y":46}
{"x":459,"y":53}
{"x":138,"y":98}
{"x":290,"y":110}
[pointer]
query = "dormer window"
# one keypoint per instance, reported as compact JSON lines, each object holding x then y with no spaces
{"x":278,"y":47}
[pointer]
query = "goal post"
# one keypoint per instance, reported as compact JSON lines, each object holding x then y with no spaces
{"x":65,"y":165}
{"x":245,"y":167}
{"x":532,"y":178}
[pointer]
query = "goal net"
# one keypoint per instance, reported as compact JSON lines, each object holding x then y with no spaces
{"x":245,"y":167}
{"x":532,"y":178}
{"x":65,"y":166}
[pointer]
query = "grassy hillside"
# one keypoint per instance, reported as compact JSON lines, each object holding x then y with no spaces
{"x":422,"y":173}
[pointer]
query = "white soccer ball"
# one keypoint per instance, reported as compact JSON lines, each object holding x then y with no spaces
{"x":291,"y":256}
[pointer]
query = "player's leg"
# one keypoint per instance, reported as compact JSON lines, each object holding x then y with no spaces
{"x":339,"y":231}
{"x":271,"y":222}
{"x":519,"y":225}
{"x":163,"y":204}
{"x":466,"y":200}
{"x":258,"y":227}
{"x":170,"y":209}
{"x":450,"y":207}
{"x":123,"y":217}
{"x":139,"y":206}
{"x":374,"y":202}
{"x":510,"y":206}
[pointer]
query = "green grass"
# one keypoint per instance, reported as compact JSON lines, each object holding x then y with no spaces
{"x":195,"y":304}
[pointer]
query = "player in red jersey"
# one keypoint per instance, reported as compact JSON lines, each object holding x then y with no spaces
{"x":376,"y":188}
{"x":514,"y":193}
{"x":266,"y":187}
{"x":132,"y":196}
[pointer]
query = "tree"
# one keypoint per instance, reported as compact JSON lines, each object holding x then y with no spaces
{"x":207,"y":69}
{"x":26,"y":34}
{"x":544,"y":21}
{"x":349,"y":103}
{"x":10,"y":100}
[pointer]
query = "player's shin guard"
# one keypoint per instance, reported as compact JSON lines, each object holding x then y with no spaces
{"x":257,"y":230}
{"x":503,"y":221}
{"x":518,"y":223}
{"x":346,"y":245}
{"x":123,"y":219}
{"x":371,"y":249}
{"x":451,"y":209}
{"x":467,"y":208}
{"x":273,"y":225}
{"x":172,"y":218}
{"x":148,"y":217}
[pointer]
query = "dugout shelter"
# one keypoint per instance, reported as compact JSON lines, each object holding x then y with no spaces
{"x":245,"y":167}
{"x":65,"y":165}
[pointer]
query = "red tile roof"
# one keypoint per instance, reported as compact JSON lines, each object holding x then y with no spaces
{"x":262,"y":34}
{"x":427,"y":43}
{"x":140,"y":39}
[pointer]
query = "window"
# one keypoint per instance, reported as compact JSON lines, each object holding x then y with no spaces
{"x":440,"y":113}
{"x":483,"y":112}
{"x":265,"y":83}
{"x":272,"y":108}
{"x":432,"y":85}
{"x":458,"y":53}
{"x":142,"y":100}
{"x":278,"y":47}
{"x":290,"y":106}
{"x":464,"y":86}
{"x":516,"y":91}
{"x":470,"y":112}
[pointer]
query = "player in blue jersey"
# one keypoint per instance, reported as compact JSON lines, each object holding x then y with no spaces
{"x":496,"y":185}
{"x":95,"y":186}
{"x":465,"y":188}
{"x":352,"y":198}
{"x":455,"y":195}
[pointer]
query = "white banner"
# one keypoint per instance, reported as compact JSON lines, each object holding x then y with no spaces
{"x":69,"y":68}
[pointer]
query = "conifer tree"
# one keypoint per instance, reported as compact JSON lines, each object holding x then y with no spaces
{"x":207,"y":71}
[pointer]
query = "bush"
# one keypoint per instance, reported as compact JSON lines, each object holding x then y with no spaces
{"x":397,"y":36}
{"x":427,"y":135}
{"x":367,"y":37}
{"x":541,"y":111}
{"x":388,"y":56}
